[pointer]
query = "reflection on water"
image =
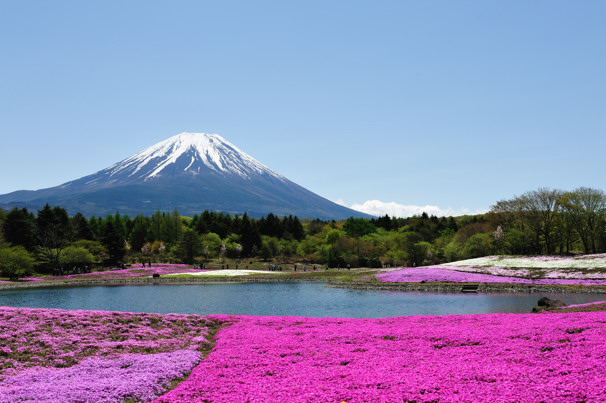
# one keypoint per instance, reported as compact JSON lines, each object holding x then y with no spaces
{"x":280,"y":299}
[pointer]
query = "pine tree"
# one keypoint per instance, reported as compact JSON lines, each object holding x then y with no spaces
{"x":250,"y":236}
{"x":190,"y":246}
{"x":113,"y":241}
{"x":19,"y":228}
{"x":79,"y":228}
{"x":140,"y":232}
{"x":52,"y":235}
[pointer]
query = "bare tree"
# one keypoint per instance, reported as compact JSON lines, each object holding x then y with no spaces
{"x":537,"y":209}
{"x":586,"y":208}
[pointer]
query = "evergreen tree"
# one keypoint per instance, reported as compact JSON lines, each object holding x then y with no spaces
{"x":174,"y":227}
{"x":52,"y":235}
{"x":52,"y":223}
{"x":236,"y":225}
{"x":294,"y":227}
{"x":79,"y":227}
{"x":95,"y":224}
{"x":200,"y":226}
{"x":190,"y":246}
{"x":383,"y":222}
{"x":271,"y":226}
{"x":120,"y":225}
{"x":224,"y":224}
{"x":452,"y":224}
{"x":250,"y":236}
{"x":113,"y":240}
{"x":156,"y":227}
{"x":19,"y":228}
{"x":140,"y":232}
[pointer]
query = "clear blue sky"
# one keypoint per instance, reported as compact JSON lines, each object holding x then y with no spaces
{"x":453,"y":104}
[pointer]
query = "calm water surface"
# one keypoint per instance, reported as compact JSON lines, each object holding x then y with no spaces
{"x":281,"y":299}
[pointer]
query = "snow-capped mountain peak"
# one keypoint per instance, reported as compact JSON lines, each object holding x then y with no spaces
{"x":192,"y":172}
{"x":190,"y":153}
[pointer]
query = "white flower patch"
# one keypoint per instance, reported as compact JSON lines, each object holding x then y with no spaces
{"x":493,"y":270}
{"x":229,"y":273}
{"x":548,"y":267}
{"x":538,"y":262}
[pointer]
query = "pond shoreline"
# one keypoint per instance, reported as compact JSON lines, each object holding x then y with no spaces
{"x":148,"y":281}
{"x":402,"y":287}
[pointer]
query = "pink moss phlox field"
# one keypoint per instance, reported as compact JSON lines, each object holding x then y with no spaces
{"x":135,"y":271}
{"x":138,"y":377}
{"x":491,"y":358}
{"x":446,"y":274}
{"x":32,"y":337}
{"x":584,"y":267}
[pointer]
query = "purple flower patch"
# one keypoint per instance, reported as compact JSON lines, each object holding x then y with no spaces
{"x":138,"y":377}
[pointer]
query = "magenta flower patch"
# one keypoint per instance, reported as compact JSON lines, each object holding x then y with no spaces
{"x":135,"y":271}
{"x":496,"y":357}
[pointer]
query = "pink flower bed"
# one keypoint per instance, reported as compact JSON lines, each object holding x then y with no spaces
{"x":496,"y":357}
{"x":135,"y":271}
{"x":443,"y":274}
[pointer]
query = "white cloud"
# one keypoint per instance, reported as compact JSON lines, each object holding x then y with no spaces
{"x":340,"y":202}
{"x":393,"y":209}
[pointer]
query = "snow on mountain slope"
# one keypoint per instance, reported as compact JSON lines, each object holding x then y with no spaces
{"x":191,"y":153}
{"x":192,"y":172}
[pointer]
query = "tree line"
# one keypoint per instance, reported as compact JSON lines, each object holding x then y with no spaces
{"x":552,"y":221}
{"x":544,"y":221}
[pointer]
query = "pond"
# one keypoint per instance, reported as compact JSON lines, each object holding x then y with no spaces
{"x":280,"y":299}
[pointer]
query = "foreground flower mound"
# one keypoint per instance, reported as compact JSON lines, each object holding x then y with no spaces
{"x":137,"y":377}
{"x":96,"y":346}
{"x":496,"y":357}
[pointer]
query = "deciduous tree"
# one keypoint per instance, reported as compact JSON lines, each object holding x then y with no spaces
{"x":15,"y":262}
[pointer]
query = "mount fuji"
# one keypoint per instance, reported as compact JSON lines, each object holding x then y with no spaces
{"x":191,"y":172}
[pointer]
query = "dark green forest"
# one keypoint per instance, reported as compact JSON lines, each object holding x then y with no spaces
{"x":543,"y":221}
